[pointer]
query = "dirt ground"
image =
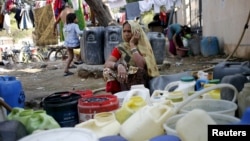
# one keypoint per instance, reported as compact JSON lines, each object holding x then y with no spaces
{"x":42,"y":79}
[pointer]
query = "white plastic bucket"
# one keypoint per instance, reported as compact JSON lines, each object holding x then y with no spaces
{"x":170,"y":123}
{"x":210,"y":105}
{"x":62,"y":134}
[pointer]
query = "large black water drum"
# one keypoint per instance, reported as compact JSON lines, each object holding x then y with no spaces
{"x":93,"y":47}
{"x":112,"y":37}
{"x":62,"y":106}
{"x":158,"y":43}
{"x":82,"y":48}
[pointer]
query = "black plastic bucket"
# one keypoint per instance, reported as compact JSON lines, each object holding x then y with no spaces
{"x":62,"y":106}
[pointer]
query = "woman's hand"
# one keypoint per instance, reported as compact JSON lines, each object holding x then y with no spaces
{"x":122,"y":73}
{"x":135,"y":38}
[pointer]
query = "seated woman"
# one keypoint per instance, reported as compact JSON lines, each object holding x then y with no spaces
{"x":132,"y":62}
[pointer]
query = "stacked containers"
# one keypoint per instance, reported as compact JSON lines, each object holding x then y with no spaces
{"x":112,"y":38}
{"x":93,"y":46}
{"x":11,"y":91}
{"x":158,"y":42}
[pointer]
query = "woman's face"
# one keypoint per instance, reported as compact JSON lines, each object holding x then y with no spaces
{"x":127,"y":33}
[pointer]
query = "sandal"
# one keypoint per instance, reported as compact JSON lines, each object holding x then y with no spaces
{"x":68,"y":73}
{"x":78,"y":62}
{"x":73,"y":67}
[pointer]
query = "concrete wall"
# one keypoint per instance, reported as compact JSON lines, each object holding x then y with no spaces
{"x":224,"y":19}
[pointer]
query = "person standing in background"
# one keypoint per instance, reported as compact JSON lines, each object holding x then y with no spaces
{"x":72,"y":40}
{"x":62,"y":17}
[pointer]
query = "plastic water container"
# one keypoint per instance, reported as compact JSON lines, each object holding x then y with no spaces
{"x":138,"y":90}
{"x":158,"y":43}
{"x":146,"y":123}
{"x":11,"y":91}
{"x":209,"y":46}
{"x":88,"y":107}
{"x":244,"y":99}
{"x":12,"y":130}
{"x":194,"y":44}
{"x":112,"y":38}
{"x":121,"y":95}
{"x":129,"y":108}
{"x":229,"y":68}
{"x":63,"y":107}
{"x":103,"y":124}
{"x":93,"y":48}
{"x":185,"y":85}
{"x":185,"y":121}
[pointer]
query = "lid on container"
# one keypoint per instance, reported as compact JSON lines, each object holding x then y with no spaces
{"x":214,"y":81}
{"x":62,"y":134}
{"x":165,"y":138}
{"x":113,"y":138}
{"x":187,"y":78}
{"x":61,"y":97}
{"x":99,"y":100}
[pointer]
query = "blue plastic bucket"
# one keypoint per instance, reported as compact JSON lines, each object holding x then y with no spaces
{"x":11,"y":91}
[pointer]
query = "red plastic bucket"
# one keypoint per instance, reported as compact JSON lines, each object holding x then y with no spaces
{"x":89,"y":106}
{"x":84,"y":93}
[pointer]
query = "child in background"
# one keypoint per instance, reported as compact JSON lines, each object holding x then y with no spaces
{"x":72,"y":40}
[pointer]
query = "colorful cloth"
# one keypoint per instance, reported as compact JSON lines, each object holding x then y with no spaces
{"x":44,"y":23}
{"x":136,"y":75}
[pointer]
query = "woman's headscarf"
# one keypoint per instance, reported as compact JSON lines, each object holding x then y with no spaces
{"x":145,"y":49}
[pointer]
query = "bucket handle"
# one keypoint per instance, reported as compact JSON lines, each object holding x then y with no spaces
{"x":205,"y":90}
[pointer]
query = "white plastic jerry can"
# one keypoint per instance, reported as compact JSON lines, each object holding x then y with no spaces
{"x":147,"y":122}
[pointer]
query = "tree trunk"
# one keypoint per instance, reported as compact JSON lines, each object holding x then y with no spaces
{"x":101,"y":12}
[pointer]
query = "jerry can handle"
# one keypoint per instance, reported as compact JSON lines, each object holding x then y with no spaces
{"x":171,"y":85}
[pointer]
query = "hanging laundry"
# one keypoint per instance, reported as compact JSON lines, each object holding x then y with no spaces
{"x":145,"y":5}
{"x":26,"y":22}
{"x":116,"y":3}
{"x":6,"y":23}
{"x":158,"y":4}
{"x":39,"y":4}
{"x":18,"y":17}
{"x":44,"y":22}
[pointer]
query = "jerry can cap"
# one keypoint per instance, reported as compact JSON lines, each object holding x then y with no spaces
{"x":187,"y":78}
{"x":214,"y":81}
